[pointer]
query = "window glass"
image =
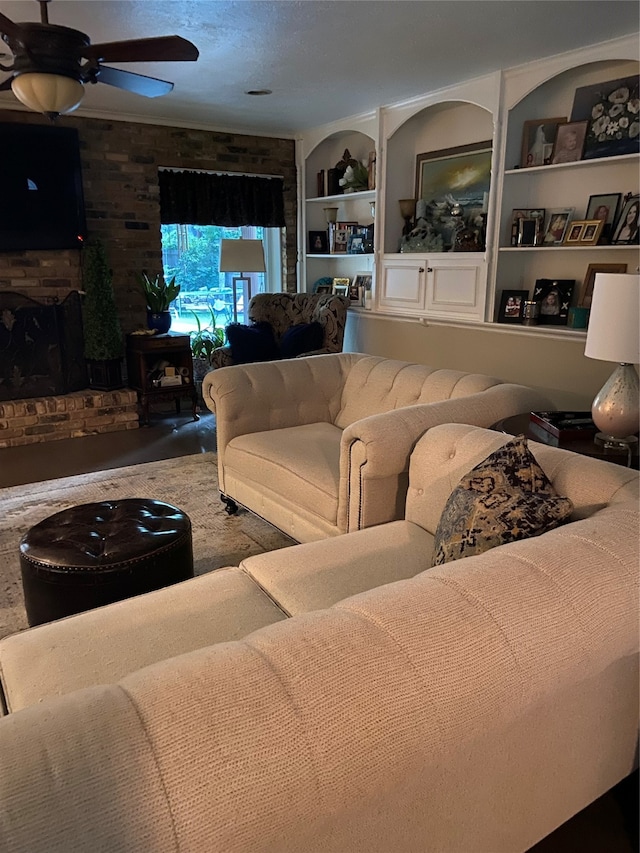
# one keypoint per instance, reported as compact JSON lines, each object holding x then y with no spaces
{"x":191,"y":253}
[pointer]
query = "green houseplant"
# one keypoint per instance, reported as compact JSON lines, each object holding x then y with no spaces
{"x":159,"y":294}
{"x":203,"y":342}
{"x":103,"y":341}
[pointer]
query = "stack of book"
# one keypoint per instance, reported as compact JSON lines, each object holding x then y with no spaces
{"x":562,"y":426}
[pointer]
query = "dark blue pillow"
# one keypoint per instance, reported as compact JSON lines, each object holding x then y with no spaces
{"x":303,"y":337}
{"x":252,"y":343}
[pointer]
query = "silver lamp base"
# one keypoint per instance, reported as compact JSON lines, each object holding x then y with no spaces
{"x":615,"y":409}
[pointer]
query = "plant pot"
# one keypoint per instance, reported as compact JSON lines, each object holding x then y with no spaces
{"x":161,"y":321}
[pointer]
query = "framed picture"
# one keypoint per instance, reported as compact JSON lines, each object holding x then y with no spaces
{"x":324,"y":288}
{"x":318,"y":243}
{"x":461,"y":176}
{"x":527,"y":226}
{"x":354,"y":293}
{"x":355,"y":241}
{"x":341,"y":286}
{"x":592,"y":228}
{"x":569,"y":143}
{"x":626,"y":227}
{"x":363,"y":279}
{"x":611,"y":111}
{"x":574,"y":232}
{"x":511,"y":305}
{"x":557,"y":224}
{"x":586,"y":290}
{"x":538,"y":136}
{"x":554,"y":298}
{"x":338,"y":239}
{"x":604,"y":207}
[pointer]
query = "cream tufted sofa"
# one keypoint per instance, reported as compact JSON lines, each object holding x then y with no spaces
{"x":320,"y":446}
{"x":471,"y":707}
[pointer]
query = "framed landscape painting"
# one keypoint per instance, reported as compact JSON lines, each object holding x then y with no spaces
{"x":462,"y":173}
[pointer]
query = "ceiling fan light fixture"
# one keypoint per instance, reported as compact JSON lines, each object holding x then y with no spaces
{"x":51,"y":94}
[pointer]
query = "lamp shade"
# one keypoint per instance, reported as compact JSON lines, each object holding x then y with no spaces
{"x":613,"y":333}
{"x":51,"y":94}
{"x":241,"y":256}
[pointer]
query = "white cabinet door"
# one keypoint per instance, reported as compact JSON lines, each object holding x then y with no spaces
{"x":456,"y":288}
{"x":403,"y":285}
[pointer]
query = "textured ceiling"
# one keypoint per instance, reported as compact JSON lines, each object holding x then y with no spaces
{"x":323,"y":59}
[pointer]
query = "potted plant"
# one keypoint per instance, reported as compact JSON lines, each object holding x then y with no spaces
{"x":159,"y":294}
{"x":103,"y":342}
{"x":203,"y":342}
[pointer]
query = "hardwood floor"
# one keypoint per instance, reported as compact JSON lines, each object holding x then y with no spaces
{"x":609,"y":825}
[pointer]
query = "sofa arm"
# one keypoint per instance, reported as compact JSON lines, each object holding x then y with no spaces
{"x":375,"y":451}
{"x":250,"y":398}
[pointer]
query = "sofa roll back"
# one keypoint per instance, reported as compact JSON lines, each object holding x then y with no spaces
{"x":377,"y":384}
{"x":447,"y":452}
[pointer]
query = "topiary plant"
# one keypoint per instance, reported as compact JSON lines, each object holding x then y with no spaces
{"x":102,"y":331}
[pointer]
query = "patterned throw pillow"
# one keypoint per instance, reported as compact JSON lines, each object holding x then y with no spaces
{"x":504,"y":498}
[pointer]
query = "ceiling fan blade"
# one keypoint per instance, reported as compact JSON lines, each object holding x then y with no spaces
{"x":8,"y":27}
{"x":150,"y":87}
{"x":161,"y":49}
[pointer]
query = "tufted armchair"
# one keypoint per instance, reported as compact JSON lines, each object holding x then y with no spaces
{"x":283,"y":310}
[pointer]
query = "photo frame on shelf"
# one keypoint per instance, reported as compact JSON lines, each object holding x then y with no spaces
{"x":527,"y":226}
{"x":341,"y":286}
{"x":538,"y":136}
{"x":364,"y":280}
{"x":591,"y":231}
{"x":558,"y":221}
{"x":338,"y":239}
{"x":355,"y":293}
{"x":511,"y":306}
{"x":603,"y":105}
{"x":625,"y":231}
{"x":574,"y":232}
{"x":586,"y":289}
{"x":318,"y":243}
{"x":553,"y":296}
{"x":605,"y":207}
{"x":323,"y":288}
{"x":569,"y":142}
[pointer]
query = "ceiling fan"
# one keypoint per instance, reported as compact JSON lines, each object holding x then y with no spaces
{"x":52,"y":63}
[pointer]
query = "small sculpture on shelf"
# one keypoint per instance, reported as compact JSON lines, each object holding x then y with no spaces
{"x":423,"y":236}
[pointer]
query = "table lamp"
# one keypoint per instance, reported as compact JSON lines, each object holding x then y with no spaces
{"x":613,"y":335}
{"x":241,"y":256}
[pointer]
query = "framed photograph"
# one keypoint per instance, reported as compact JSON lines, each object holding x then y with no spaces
{"x":604,"y":207}
{"x":338,"y":239}
{"x":626,"y":227}
{"x":538,"y":136}
{"x":356,"y":239}
{"x":557,"y":223}
{"x":554,"y":298}
{"x":574,"y":232}
{"x":355,"y":293}
{"x":611,"y":111}
{"x":341,"y":286}
{"x":324,"y":288}
{"x":586,"y":290}
{"x":569,"y":143}
{"x":363,"y":279}
{"x":318,"y":243}
{"x":527,"y":226}
{"x":592,"y":228}
{"x":511,"y":305}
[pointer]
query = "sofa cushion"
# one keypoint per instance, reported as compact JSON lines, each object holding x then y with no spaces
{"x":252,"y":343}
{"x":301,"y":338}
{"x":506,"y":497}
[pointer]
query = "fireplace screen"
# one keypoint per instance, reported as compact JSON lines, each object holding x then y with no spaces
{"x":41,"y":347}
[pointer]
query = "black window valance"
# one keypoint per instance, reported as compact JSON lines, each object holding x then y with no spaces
{"x":200,"y":198}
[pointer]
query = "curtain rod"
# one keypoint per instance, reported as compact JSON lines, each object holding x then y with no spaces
{"x":214,"y":172}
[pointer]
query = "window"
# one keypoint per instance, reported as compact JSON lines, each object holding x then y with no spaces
{"x":191,"y":253}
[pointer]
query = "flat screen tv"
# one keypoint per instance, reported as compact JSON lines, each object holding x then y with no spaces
{"x":41,"y":199}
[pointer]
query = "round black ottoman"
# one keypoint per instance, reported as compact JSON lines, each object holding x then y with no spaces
{"x":98,"y":553}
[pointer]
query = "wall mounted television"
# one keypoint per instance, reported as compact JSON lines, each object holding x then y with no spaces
{"x":41,"y":198}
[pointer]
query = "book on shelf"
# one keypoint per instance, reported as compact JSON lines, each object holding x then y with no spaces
{"x":564,"y":425}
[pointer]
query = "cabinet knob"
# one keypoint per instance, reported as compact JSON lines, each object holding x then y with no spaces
{"x":429,"y":269}
{"x":420,"y":269}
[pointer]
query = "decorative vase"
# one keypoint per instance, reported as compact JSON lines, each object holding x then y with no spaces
{"x":161,"y":321}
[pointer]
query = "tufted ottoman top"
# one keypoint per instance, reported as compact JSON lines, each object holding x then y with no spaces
{"x":110,"y":535}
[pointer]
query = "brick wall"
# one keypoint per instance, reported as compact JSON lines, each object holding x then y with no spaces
{"x":120,"y":163}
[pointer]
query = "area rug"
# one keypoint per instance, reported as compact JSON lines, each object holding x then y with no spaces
{"x":188,"y":482}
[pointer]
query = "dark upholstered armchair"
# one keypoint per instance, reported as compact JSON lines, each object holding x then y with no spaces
{"x":284,"y":310}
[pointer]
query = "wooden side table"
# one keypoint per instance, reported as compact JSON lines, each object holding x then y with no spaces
{"x":145,"y":354}
{"x":522,"y":425}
